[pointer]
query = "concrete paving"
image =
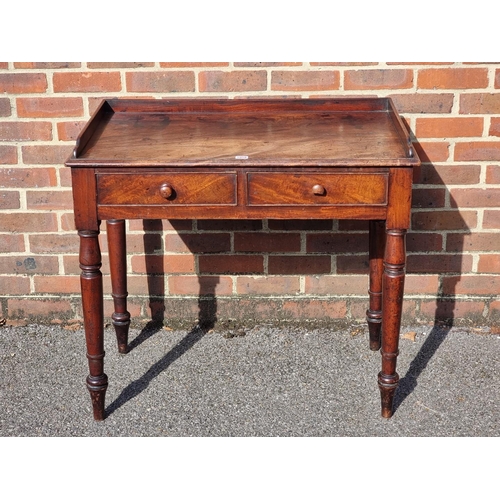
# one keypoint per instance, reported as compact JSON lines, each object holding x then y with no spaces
{"x":257,"y":381}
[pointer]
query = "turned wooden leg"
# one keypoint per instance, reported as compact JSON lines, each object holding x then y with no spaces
{"x":374,"y":313}
{"x":392,"y":302}
{"x":93,"y":317}
{"x":118,"y":268}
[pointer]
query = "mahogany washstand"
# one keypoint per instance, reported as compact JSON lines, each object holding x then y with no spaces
{"x":243,"y":159}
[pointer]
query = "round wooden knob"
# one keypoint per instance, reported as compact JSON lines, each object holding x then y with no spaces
{"x":318,"y":190}
{"x":166,"y":190}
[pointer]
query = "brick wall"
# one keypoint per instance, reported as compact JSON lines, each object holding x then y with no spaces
{"x":263,"y":269}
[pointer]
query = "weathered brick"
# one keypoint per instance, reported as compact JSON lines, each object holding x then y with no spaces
{"x":193,"y":64}
{"x":68,"y":131}
{"x":306,"y":81}
{"x":497,"y":79}
{"x":46,"y":65}
{"x":299,"y":225}
{"x":432,"y":151}
{"x":448,"y":127}
{"x":12,"y":243}
{"x":299,"y":264}
{"x":315,"y":309}
{"x":5,"y":107}
{"x":38,"y":308}
{"x":428,"y":198}
{"x":336,"y":285}
{"x":443,"y":220}
{"x":491,"y":219}
{"x":231,"y":264}
{"x":471,"y":285}
{"x":198,"y":243}
{"x":33,"y":264}
{"x":448,"y":174}
{"x":477,"y":151}
{"x":443,"y":310}
{"x":479,"y":197}
{"x":54,"y":243}
{"x":102,"y":65}
{"x":452,"y":78}
{"x":472,"y":242}
{"x":57,"y":284}
{"x":423,"y":242}
{"x":43,"y":155}
{"x":493,"y":174}
{"x":479,"y":103}
{"x":268,"y":285}
{"x":15,"y":285}
{"x":489,"y":264}
{"x":160,"y":81}
{"x":421,"y":283}
{"x":8,"y":155}
{"x":423,"y":103}
{"x":49,"y":107}
{"x":25,"y":131}
{"x":49,"y":200}
{"x":9,"y":200}
{"x":22,"y":83}
{"x":376,"y":79}
{"x":98,"y":81}
{"x":232,"y":81}
{"x":439,"y":263}
{"x":266,"y":242}
{"x":336,"y":242}
{"x":26,"y":222}
{"x":158,"y":264}
{"x":495,"y":127}
{"x":200,"y":285}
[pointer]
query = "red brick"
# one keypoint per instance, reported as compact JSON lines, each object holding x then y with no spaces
{"x":448,"y":174}
{"x":439,"y":263}
{"x":229,"y":225}
{"x":299,"y":225}
{"x":424,"y":242}
{"x":497,"y":79}
{"x":428,"y":198}
{"x":101,"y":65}
{"x":477,"y":151}
{"x":315,"y":309}
{"x":49,"y":107}
{"x":49,"y":200}
{"x":160,"y":81}
{"x":491,"y":219}
{"x":15,"y":285}
{"x":469,"y":197}
{"x":376,"y":79}
{"x":489,"y":264}
{"x":268,"y":285}
{"x":231,"y":264}
{"x":8,"y":155}
{"x":28,"y":308}
{"x":68,"y":131}
{"x":161,"y":225}
{"x":26,"y":131}
{"x":336,"y":285}
{"x":471,"y":285}
{"x":352,"y":264}
{"x":11,"y":243}
{"x":493,"y":174}
{"x":432,"y":151}
{"x":442,"y":310}
{"x":448,"y":127}
{"x":46,"y":65}
{"x":344,"y":63}
{"x":35,"y":264}
{"x":155,"y":264}
{"x":336,"y":242}
{"x":54,"y":243}
{"x":9,"y":200}
{"x":5,"y":107}
{"x":43,"y":155}
{"x":232,"y":81}
{"x":266,"y":242}
{"x":305,"y":80}
{"x":486,"y":242}
{"x":57,"y":284}
{"x":198,"y":243}
{"x":479,"y":103}
{"x":22,"y":83}
{"x":495,"y":127}
{"x":452,"y":78}
{"x":200,"y":285}
{"x":21,"y":222}
{"x":193,"y":64}
{"x":443,"y":220}
{"x":299,"y":264}
{"x":421,"y":283}
{"x":423,"y":103}
{"x":87,"y":82}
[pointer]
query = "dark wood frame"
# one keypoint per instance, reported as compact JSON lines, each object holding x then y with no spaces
{"x":309,"y":159}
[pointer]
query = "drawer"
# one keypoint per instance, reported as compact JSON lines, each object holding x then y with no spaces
{"x":265,"y":188}
{"x":167,"y":189}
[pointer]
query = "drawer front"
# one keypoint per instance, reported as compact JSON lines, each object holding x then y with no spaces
{"x":317,"y":189}
{"x":167,"y":189}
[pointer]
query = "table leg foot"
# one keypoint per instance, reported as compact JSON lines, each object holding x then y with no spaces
{"x":97,"y":387}
{"x":387,"y":386}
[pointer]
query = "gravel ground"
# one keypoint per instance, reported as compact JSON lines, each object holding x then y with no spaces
{"x":259,"y":381}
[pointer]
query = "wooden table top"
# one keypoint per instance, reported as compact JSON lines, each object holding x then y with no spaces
{"x":245,"y":132}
